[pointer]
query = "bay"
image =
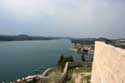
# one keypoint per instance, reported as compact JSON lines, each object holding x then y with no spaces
{"x":21,"y":58}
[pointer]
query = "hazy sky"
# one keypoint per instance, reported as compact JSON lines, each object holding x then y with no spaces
{"x":73,"y":18}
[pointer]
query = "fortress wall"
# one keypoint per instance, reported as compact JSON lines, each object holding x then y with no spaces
{"x":109,"y":64}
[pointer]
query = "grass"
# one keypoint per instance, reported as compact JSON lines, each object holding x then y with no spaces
{"x":54,"y":76}
{"x":82,"y":69}
{"x":71,"y":81}
{"x":87,"y":79}
{"x":78,"y":70}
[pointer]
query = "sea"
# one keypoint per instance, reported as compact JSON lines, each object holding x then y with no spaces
{"x":19,"y":59}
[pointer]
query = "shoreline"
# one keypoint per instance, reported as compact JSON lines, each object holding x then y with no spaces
{"x":74,"y":49}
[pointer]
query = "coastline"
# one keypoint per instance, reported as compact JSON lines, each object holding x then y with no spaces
{"x":40,"y":77}
{"x":74,"y":49}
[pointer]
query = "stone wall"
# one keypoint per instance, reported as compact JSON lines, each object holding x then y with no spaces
{"x":68,"y":65}
{"x":109,"y":64}
{"x":41,"y":78}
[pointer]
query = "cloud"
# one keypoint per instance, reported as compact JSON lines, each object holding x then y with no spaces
{"x":28,"y":8}
{"x":25,"y":8}
{"x":68,"y":17}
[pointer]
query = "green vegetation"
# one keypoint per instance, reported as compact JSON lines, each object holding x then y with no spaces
{"x":54,"y":75}
{"x":83,"y":57}
{"x":71,"y":81}
{"x":83,"y":40}
{"x":105,"y":40}
{"x":82,"y":69}
{"x":25,"y":37}
{"x":63,"y":59}
{"x":86,"y":78}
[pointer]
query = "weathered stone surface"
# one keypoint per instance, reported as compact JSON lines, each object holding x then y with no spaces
{"x":109,"y":64}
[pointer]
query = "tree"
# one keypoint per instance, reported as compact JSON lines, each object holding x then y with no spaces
{"x":83,"y":57}
{"x":61,"y":58}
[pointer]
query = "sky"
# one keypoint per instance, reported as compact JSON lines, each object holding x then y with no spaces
{"x":72,"y":18}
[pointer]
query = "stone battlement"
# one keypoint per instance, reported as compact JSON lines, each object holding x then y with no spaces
{"x":109,"y":64}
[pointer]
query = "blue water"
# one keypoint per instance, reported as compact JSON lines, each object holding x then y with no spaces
{"x":21,"y":58}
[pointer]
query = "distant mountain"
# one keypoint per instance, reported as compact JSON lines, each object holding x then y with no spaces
{"x":24,"y":37}
{"x":106,"y":40}
{"x":84,"y":40}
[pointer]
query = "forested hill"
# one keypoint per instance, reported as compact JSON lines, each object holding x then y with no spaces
{"x":84,"y":40}
{"x":24,"y":37}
